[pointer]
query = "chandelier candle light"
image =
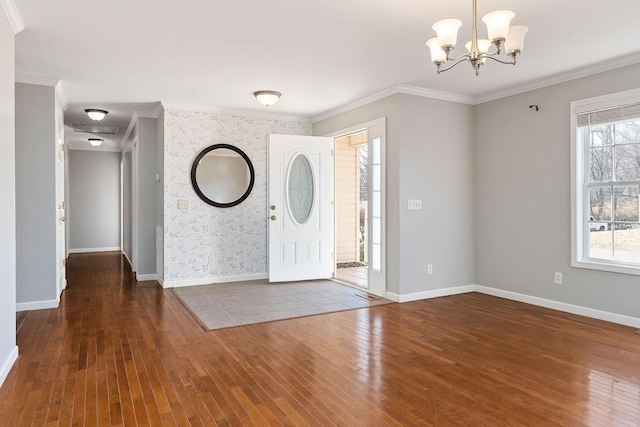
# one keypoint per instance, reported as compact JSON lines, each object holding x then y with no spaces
{"x":511,"y":39}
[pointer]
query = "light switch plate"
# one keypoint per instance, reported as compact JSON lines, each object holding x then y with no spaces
{"x":414,"y":204}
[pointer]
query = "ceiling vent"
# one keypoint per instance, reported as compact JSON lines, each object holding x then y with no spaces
{"x":105,"y":130}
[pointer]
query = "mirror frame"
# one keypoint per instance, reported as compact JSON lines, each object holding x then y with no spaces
{"x":199,"y":192}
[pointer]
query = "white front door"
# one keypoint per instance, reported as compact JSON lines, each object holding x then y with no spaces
{"x":300,"y":208}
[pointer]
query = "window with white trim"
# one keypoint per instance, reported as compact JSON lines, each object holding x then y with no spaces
{"x":606,"y":183}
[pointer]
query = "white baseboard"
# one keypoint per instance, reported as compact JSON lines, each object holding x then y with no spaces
{"x":145,"y":277}
{"x":36,"y":305}
{"x":127,"y":258}
{"x":8,"y":364}
{"x":436,"y":293}
{"x":514,"y":296}
{"x":210,"y":280}
{"x":87,"y":250}
{"x":562,"y":306}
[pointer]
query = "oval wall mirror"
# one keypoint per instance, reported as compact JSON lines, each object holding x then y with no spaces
{"x":222,"y":175}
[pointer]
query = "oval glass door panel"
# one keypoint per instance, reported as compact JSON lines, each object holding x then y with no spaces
{"x":300,"y":189}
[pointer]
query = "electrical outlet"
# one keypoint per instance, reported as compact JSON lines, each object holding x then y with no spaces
{"x":183,"y":205}
{"x":430,"y":269}
{"x":557,"y":278}
{"x":414,"y":204}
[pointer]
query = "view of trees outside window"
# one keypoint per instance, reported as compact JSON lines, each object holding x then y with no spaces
{"x":613,"y":184}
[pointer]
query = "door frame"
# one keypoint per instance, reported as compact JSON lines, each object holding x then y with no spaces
{"x":62,"y":218}
{"x":355,"y":129}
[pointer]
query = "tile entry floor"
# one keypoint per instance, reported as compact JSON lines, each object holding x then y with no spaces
{"x":225,"y":305}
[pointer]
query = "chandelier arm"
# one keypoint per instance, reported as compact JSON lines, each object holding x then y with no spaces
{"x":457,"y":58}
{"x":489,"y":54}
{"x":462,"y":59}
{"x":499,"y":60}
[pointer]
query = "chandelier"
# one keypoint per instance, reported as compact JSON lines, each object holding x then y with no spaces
{"x":501,"y":37}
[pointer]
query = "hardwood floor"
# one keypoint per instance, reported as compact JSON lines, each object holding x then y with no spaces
{"x":118,"y":352}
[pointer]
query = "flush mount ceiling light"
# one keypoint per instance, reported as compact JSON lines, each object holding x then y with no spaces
{"x":96,"y":142}
{"x":500,"y":35}
{"x":96,"y":115}
{"x":267,"y":97}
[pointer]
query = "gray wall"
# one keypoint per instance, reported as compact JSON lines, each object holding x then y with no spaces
{"x":127,"y":203}
{"x":8,"y":349}
{"x":437,"y":166}
{"x":94,"y":200}
{"x":430,"y":156}
{"x":140,"y":160}
{"x":35,"y":193}
{"x":147,"y":131}
{"x":160,"y":198}
{"x":523,"y":197}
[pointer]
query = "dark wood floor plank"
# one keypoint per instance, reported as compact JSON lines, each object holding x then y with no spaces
{"x":119,"y":352}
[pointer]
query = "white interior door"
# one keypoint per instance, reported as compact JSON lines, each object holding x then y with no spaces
{"x":300,"y":208}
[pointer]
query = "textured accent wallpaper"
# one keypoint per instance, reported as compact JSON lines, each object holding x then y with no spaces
{"x":236,"y":237}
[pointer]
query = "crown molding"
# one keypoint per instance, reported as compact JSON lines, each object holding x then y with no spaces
{"x":436,"y":94}
{"x":36,"y":80}
{"x":45,"y":81}
{"x":153,"y":114}
{"x":393,"y":90}
{"x":168,"y":105}
{"x":13,"y":16}
{"x":62,"y":97}
{"x":96,"y":149}
{"x":470,"y":100}
{"x":357,"y":104}
{"x":159,"y":109}
{"x":125,"y":137}
{"x":574,"y":74}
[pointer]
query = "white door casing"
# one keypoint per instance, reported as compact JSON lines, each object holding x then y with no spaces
{"x":376,"y":165}
{"x":60,"y":163}
{"x":376,"y":140}
{"x":300,"y":208}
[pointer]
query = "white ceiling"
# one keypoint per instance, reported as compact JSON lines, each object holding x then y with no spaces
{"x":321,"y":55}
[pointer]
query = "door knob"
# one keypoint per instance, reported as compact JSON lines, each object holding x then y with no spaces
{"x":272,"y":217}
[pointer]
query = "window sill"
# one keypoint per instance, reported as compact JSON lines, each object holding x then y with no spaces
{"x":605,"y":266}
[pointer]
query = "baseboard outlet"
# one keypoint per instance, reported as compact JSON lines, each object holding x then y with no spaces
{"x":36,"y":305}
{"x":88,"y":250}
{"x":561,"y":306}
{"x":211,"y":280}
{"x":8,"y":364}
{"x":436,"y":293}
